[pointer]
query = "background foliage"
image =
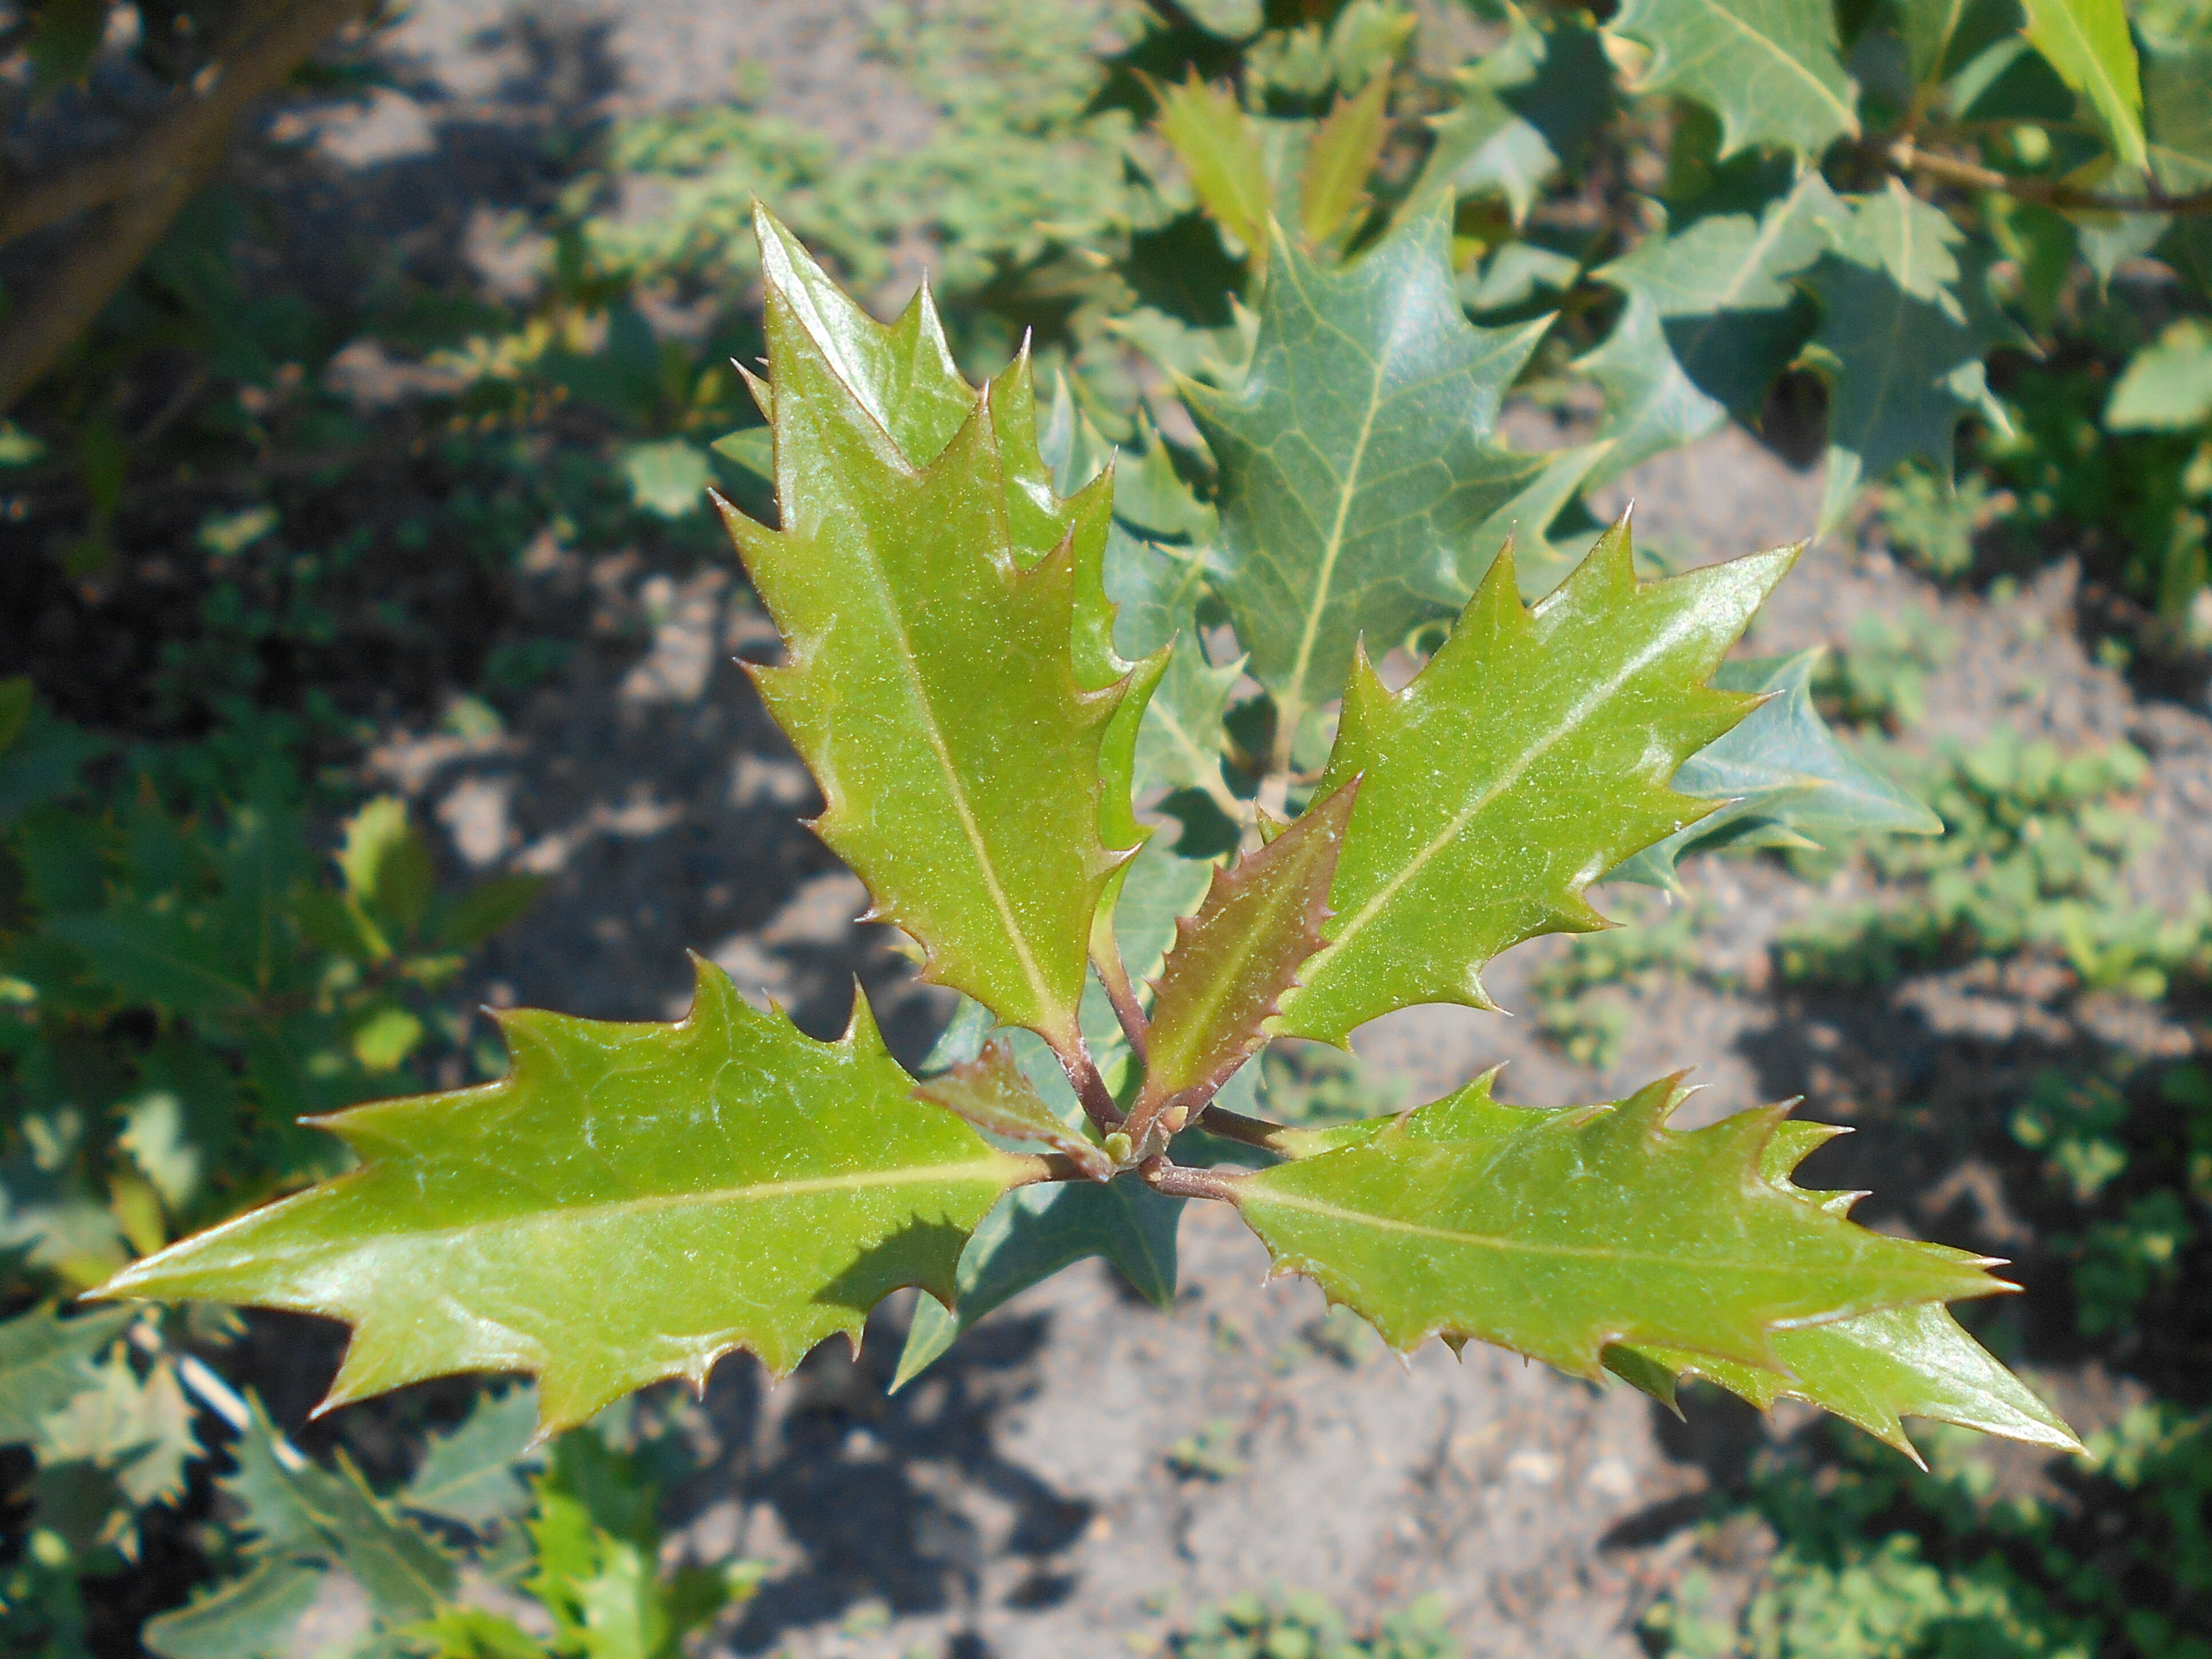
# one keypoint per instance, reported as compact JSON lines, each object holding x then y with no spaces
{"x":228,"y":572}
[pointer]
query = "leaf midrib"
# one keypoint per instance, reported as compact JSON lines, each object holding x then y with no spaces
{"x":1576,"y":717}
{"x":1505,"y":1244}
{"x":933,"y":733}
{"x":1295,"y":695}
{"x":995,"y":1168}
{"x":1775,"y":50}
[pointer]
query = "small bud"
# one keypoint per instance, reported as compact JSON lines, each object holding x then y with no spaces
{"x":1118,"y":1148}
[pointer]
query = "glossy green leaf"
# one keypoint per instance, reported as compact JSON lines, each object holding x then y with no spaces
{"x":991,"y":1093}
{"x":2179,"y":117}
{"x":932,"y":683}
{"x":1871,"y":1371}
{"x":1769,"y":69}
{"x":1940,"y":35}
{"x":1529,"y":757}
{"x":1527,"y":112}
{"x":1710,"y":321}
{"x":1332,"y":190}
{"x":1232,"y":962}
{"x":1906,"y":319}
{"x":471,"y":1475}
{"x":46,"y":1361}
{"x":1558,"y":1233}
{"x":1355,"y":456}
{"x":1219,"y":148}
{"x":476,"y":1239}
{"x":2088,"y":42}
{"x":1781,"y":778}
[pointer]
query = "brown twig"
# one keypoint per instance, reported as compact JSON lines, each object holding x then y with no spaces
{"x":1114,"y":974}
{"x":132,"y":193}
{"x":1178,"y":1181}
{"x":1089,"y":1087}
{"x":1040,"y":1167}
{"x":1908,"y":157}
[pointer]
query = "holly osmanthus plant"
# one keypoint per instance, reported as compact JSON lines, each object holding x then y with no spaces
{"x":956,"y":595}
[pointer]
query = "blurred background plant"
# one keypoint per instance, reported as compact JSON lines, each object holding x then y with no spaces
{"x":274,"y":480}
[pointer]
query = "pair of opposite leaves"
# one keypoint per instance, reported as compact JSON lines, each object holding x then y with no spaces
{"x":633,"y":1201}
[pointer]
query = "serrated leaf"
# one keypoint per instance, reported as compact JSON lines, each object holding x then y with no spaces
{"x":475,"y":1238}
{"x":1781,"y":779}
{"x":1769,"y":69}
{"x":253,"y":1617}
{"x":931,"y":682}
{"x":298,"y":1509}
{"x":2088,"y":42}
{"x":1234,"y":960}
{"x":1219,"y":148}
{"x":1906,"y":319}
{"x":1710,"y":321}
{"x":1035,"y":1233}
{"x":1524,"y":523}
{"x":1355,"y":456}
{"x":1558,"y":1233}
{"x":45,"y":1361}
{"x":1527,"y":110}
{"x":142,"y":1430}
{"x":471,"y":1475}
{"x":1529,"y":756}
{"x":991,"y":1093}
{"x":1870,"y":1370}
{"x":1163,"y":887}
{"x":1332,"y":190}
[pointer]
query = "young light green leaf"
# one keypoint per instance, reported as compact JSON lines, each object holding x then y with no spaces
{"x":2088,"y":42}
{"x":471,"y":1475}
{"x":2167,"y":386}
{"x":990,"y":1092}
{"x":475,"y":1239}
{"x":1871,"y":1371}
{"x":932,"y":684}
{"x":1782,"y":778}
{"x":387,"y":863}
{"x":1355,"y":456}
{"x":1769,"y":69}
{"x":1529,"y":756}
{"x":1906,"y":319}
{"x":1558,"y":1233}
{"x":1232,"y":962}
{"x":45,"y":1361}
{"x":1219,"y":148}
{"x":1333,"y":188}
{"x":1034,"y":1233}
